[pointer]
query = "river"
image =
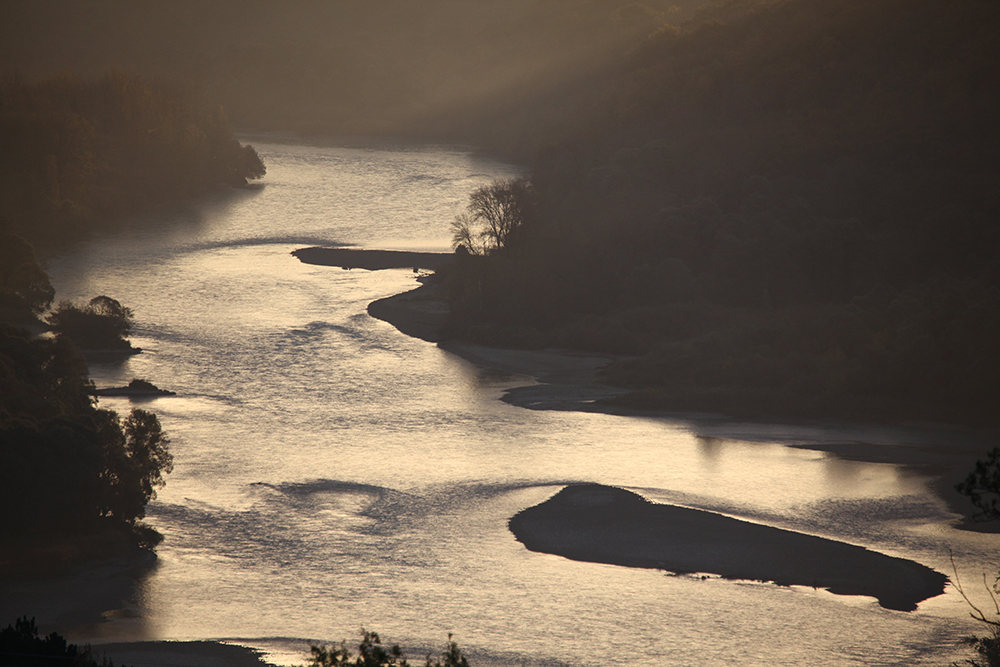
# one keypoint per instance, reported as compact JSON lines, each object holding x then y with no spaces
{"x":332,"y":473}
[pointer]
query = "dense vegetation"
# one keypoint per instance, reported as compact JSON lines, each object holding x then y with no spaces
{"x":102,"y":324}
{"x":74,"y":479}
{"x":20,"y":646}
{"x":77,"y":153}
{"x":372,"y":653}
{"x":982,"y":486}
{"x":789,"y":211}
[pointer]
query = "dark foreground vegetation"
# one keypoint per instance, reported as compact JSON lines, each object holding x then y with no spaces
{"x":74,"y":479}
{"x":986,"y":647}
{"x":21,"y":646}
{"x":77,"y":154}
{"x":372,"y":653}
{"x":102,"y":324}
{"x":789,"y":211}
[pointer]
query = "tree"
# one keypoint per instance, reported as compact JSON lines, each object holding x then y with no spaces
{"x":495,"y":216}
{"x":137,"y":456}
{"x":982,"y":486}
{"x":100,"y":325}
{"x":21,"y":646}
{"x":372,"y":653}
{"x":251,"y":165}
{"x":24,"y":286}
{"x":986,"y":647}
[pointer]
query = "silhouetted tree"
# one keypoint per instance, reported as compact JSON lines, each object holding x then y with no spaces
{"x":136,"y":457}
{"x":982,"y":486}
{"x":102,"y":324}
{"x":987,"y":647}
{"x":372,"y":653}
{"x":495,"y":216}
{"x":21,"y":646}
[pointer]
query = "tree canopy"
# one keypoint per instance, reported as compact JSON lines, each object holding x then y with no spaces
{"x":25,"y":291}
{"x":495,"y":217}
{"x":102,"y":324}
{"x":68,"y":468}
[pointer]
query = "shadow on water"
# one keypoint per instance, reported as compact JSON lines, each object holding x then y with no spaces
{"x":85,"y":598}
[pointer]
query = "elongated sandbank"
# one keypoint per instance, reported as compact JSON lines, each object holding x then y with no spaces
{"x":568,"y":380}
{"x":373,"y":260}
{"x":602,"y":524}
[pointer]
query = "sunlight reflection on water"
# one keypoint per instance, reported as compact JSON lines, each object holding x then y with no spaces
{"x":333,"y":473}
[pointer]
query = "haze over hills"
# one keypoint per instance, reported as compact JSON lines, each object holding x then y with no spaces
{"x":340,"y":67}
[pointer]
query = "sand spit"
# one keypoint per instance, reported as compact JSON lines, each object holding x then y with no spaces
{"x":373,"y":260}
{"x":602,"y":524}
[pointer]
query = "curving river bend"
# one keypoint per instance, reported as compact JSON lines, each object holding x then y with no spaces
{"x":332,"y":473}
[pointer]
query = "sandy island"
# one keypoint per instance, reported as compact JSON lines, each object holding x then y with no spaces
{"x":602,"y":524}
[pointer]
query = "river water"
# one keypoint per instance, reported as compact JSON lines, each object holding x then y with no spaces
{"x":332,"y":473}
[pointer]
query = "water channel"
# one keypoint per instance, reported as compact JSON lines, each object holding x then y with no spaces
{"x":332,"y":473}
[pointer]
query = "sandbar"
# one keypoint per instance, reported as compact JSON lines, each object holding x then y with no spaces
{"x":569,"y":380}
{"x":372,"y":260}
{"x":602,"y":524}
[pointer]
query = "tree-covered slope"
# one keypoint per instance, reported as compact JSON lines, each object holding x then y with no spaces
{"x":794,"y":210}
{"x":78,"y":152}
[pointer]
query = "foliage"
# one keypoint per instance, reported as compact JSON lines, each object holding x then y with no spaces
{"x":495,"y":217}
{"x":67,"y":468}
{"x":987,"y":647}
{"x":982,"y":486}
{"x":25,"y":290}
{"x":20,"y":646}
{"x":139,"y":384}
{"x":372,"y":653}
{"x":100,"y":325}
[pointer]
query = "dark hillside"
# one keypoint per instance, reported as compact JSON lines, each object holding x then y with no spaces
{"x":791,"y":211}
{"x":77,"y":153}
{"x":488,"y":71}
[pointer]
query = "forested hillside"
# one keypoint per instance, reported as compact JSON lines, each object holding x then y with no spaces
{"x":79,"y":152}
{"x":501,"y":73}
{"x":793,"y":210}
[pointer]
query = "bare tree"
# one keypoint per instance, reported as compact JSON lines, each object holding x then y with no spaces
{"x":495,"y":215}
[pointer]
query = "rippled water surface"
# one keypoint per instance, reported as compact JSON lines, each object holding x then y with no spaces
{"x":332,"y":473}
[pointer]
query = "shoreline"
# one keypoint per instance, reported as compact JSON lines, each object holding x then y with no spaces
{"x":567,"y":380}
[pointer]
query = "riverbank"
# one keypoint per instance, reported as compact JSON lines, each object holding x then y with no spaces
{"x":602,"y":524}
{"x":569,"y":380}
{"x":78,"y":601}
